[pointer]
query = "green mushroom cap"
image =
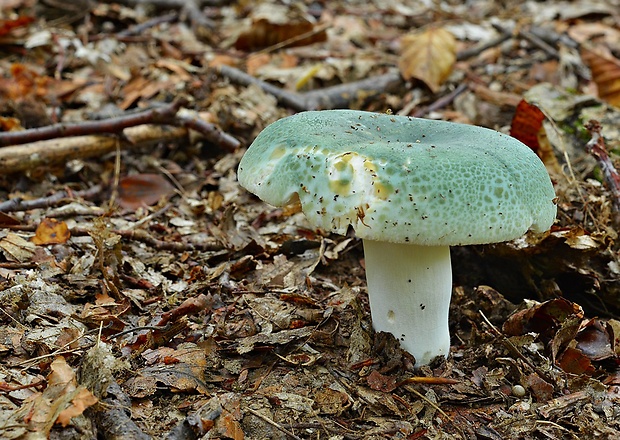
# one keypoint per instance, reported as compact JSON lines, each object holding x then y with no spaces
{"x":401,"y":179}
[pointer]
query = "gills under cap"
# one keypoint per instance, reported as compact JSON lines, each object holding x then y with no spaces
{"x":401,"y":179}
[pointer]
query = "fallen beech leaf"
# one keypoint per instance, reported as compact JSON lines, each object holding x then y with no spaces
{"x":8,"y":220}
{"x":527,"y":123}
{"x":594,"y":340}
{"x":545,"y":318}
{"x":232,"y":426}
{"x":62,"y":400}
{"x":179,"y":370}
{"x":428,"y":56}
{"x":540,"y":389}
{"x":573,"y":361}
{"x":81,"y":400}
{"x":16,"y":248}
{"x":379,"y":382}
{"x":274,"y":24}
{"x":6,"y":26}
{"x":142,"y":190}
{"x":605,"y":74}
{"x":527,"y":126}
{"x":51,"y":231}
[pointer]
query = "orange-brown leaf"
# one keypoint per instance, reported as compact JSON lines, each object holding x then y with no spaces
{"x":605,"y":74}
{"x":51,"y":231}
{"x":6,"y":26}
{"x":142,"y":190}
{"x":527,"y":126}
{"x":263,"y":34}
{"x":428,"y":57}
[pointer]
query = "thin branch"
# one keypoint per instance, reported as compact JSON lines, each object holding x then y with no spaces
{"x":164,"y":115}
{"x":59,"y":198}
{"x":274,"y":424}
{"x":339,"y":96}
{"x":342,"y":95}
{"x":596,"y":148}
{"x":51,"y":150}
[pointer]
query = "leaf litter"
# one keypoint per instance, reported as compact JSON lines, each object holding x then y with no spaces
{"x":144,"y":294}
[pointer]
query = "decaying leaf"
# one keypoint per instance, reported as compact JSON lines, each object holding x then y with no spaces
{"x":594,"y":340}
{"x":16,"y":248}
{"x":51,"y":231}
{"x":542,"y":318}
{"x":142,"y":190}
{"x":605,"y":74}
{"x":527,"y":126}
{"x":428,"y":56}
{"x":273,"y":24}
{"x":540,"y":388}
{"x":180,"y":370}
{"x":62,"y":400}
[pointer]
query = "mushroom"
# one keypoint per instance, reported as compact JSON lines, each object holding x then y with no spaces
{"x":410,"y":188}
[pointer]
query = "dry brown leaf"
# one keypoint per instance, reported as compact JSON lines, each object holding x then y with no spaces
{"x":605,"y":74}
{"x":142,"y":190}
{"x":428,"y":57}
{"x":527,"y":126}
{"x":274,"y":24}
{"x":62,"y":400}
{"x":16,"y":248}
{"x":51,"y":231}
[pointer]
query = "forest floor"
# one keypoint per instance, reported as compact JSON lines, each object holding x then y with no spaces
{"x":145,"y":294}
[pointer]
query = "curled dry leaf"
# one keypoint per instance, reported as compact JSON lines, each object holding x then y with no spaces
{"x":605,"y":74}
{"x":527,"y":126}
{"x":428,"y":57}
{"x":543,"y":318}
{"x":62,"y":400}
{"x":16,"y":248}
{"x":51,"y":231}
{"x":273,"y":24}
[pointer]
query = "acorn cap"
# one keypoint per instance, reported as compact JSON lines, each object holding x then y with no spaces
{"x":401,"y":179}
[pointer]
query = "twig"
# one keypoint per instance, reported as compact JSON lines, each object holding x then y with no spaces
{"x":339,"y":96}
{"x":140,"y":28}
{"x":473,"y":51}
{"x":427,"y":400}
{"x":274,"y":424}
{"x":45,"y":152}
{"x":442,"y":102}
{"x":159,"y":115}
{"x":596,"y":148}
{"x":18,"y":204}
{"x":342,"y":95}
{"x":293,"y":100}
{"x":164,"y":115}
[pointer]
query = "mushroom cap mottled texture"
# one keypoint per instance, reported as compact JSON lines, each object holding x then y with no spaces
{"x":401,"y":179}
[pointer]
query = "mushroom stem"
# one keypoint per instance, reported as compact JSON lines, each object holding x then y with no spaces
{"x":409,"y":288}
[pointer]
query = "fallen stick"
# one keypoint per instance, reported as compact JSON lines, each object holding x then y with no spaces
{"x":59,"y":150}
{"x":169,"y":114}
{"x":596,"y":148}
{"x":339,"y":96}
{"x":42,"y":153}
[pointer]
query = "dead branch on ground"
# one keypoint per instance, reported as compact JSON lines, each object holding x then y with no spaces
{"x":53,"y":150}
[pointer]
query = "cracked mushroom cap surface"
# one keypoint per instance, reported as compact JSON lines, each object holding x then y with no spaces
{"x":401,"y":179}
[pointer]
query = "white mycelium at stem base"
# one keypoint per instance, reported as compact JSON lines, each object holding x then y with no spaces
{"x":409,"y":289}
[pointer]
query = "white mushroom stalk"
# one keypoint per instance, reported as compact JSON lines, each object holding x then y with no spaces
{"x":409,"y":289}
